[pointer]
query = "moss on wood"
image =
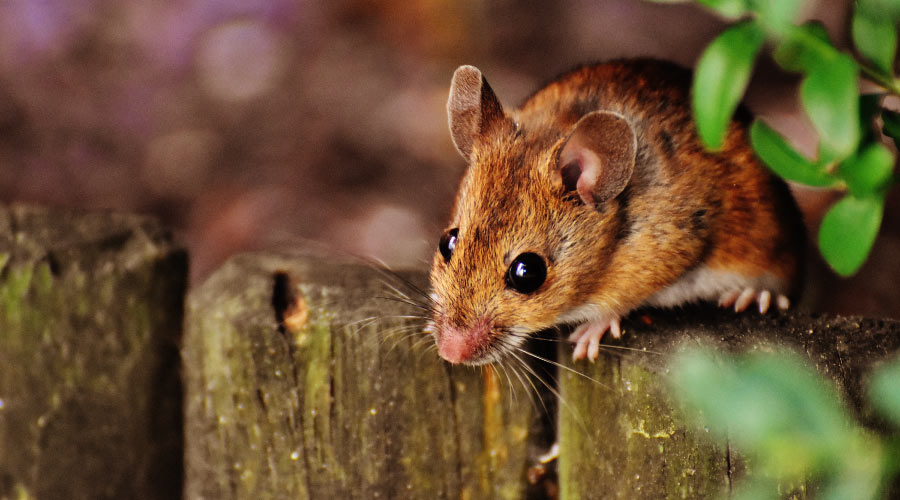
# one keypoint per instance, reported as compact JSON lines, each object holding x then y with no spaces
{"x":304,"y":382}
{"x":90,"y":319}
{"x":622,"y":435}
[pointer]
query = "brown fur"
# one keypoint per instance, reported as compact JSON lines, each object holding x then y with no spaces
{"x":683,"y":207}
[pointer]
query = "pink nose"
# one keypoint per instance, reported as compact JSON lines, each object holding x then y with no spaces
{"x":457,"y":345}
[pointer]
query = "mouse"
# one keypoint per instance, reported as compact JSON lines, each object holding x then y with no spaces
{"x":595,"y":197}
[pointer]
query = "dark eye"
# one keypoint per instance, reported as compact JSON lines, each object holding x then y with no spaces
{"x":448,"y":243}
{"x":527,"y":273}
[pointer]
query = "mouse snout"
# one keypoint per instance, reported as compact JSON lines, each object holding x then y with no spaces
{"x":462,"y":344}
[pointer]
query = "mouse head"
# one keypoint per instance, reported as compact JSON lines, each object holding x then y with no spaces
{"x":534,"y":223}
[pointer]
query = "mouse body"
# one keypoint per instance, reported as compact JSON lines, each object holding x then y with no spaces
{"x":593,"y":198}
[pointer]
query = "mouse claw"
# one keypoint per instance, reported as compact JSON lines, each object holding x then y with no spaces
{"x":588,"y":335}
{"x":741,"y":300}
{"x":782,"y":302}
{"x":727,"y":299}
{"x":764,"y":300}
{"x":615,"y":329}
{"x":744,"y":299}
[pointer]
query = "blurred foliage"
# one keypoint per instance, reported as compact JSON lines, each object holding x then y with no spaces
{"x":789,"y":424}
{"x":850,"y":156}
{"x":785,"y":419}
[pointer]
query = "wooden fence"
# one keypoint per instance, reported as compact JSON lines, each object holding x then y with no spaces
{"x":299,"y":379}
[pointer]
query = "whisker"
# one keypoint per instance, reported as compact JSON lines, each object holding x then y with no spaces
{"x":355,"y":327}
{"x":403,"y":316}
{"x":406,"y":333}
{"x":385,"y":271}
{"x":634,"y":349}
{"x":564,"y":367}
{"x":512,"y":395}
{"x":425,"y":342}
{"x":534,"y":375}
{"x":363,"y":320}
{"x":602,"y":346}
{"x":359,"y":325}
{"x":395,"y":289}
{"x":510,"y":346}
{"x":522,"y":380}
{"x":553,"y":390}
{"x":408,"y":302}
{"x":406,"y":328}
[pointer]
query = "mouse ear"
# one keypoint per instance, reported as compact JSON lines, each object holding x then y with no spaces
{"x":598,"y":157}
{"x":471,"y":108}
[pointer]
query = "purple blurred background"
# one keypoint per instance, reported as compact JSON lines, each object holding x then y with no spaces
{"x":246,"y":124}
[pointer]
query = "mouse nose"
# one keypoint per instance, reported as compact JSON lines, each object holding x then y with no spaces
{"x":458,"y":345}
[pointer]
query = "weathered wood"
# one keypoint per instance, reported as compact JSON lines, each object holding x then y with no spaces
{"x":90,"y":318}
{"x":313,"y":408}
{"x":621,"y":435}
{"x":294,"y":393}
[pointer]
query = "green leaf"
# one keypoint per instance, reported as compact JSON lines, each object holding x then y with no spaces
{"x":875,"y":36}
{"x":786,"y":420}
{"x":860,"y":473}
{"x":731,"y":9}
{"x":891,"y":125}
{"x":784,"y":160}
{"x":692,"y":376}
{"x":887,"y":8}
{"x":884,"y":391}
{"x":721,"y":78}
{"x":755,"y":488}
{"x":804,"y":48}
{"x":854,"y":484}
{"x":772,"y":406}
{"x":867,"y":172}
{"x":777,"y":15}
{"x":848,"y":231}
{"x":810,"y":406}
{"x":830,"y":96}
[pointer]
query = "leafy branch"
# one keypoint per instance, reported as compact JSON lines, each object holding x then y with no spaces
{"x":850,"y":155}
{"x":786,"y":419}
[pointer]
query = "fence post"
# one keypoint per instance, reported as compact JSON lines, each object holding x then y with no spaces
{"x":623,"y":436}
{"x":303,"y":383}
{"x":90,"y":318}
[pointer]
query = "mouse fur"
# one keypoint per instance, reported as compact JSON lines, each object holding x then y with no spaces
{"x":602,"y":174}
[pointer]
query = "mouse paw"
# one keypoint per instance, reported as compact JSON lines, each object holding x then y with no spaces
{"x":587,"y":337}
{"x":741,"y":299}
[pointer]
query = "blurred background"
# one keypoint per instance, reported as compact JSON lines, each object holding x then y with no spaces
{"x":247,"y":124}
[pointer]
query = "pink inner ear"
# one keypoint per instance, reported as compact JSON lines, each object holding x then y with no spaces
{"x":581,"y":172}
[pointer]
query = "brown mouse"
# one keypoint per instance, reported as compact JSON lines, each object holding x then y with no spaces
{"x":595,"y":197}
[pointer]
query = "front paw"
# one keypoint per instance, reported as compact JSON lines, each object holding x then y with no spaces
{"x":741,"y":299}
{"x":587,"y":337}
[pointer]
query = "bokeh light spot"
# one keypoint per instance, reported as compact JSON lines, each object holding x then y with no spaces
{"x":239,"y":60}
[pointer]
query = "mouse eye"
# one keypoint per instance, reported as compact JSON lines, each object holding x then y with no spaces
{"x":448,"y":243}
{"x":526,"y":273}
